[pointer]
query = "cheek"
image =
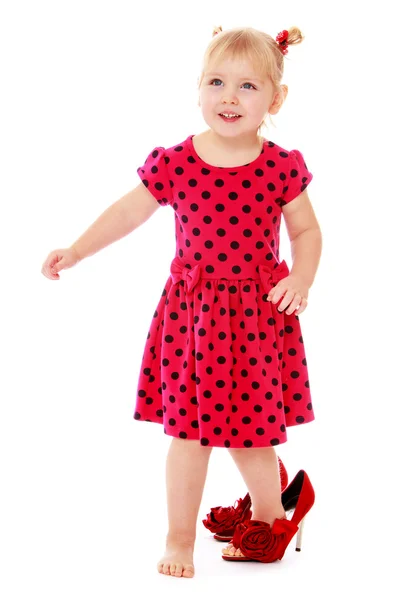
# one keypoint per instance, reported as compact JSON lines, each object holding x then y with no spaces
{"x":252,"y":101}
{"x":208,"y":94}
{"x":255,"y":108}
{"x":209,"y":100}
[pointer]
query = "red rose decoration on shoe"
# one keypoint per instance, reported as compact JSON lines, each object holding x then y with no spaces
{"x":222,"y":519}
{"x":259,"y":541}
{"x":239,"y":530}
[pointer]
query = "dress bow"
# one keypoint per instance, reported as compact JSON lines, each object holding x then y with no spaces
{"x":271,"y":277}
{"x":189,"y":276}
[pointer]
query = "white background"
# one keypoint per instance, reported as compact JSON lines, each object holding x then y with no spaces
{"x":88,"y":89}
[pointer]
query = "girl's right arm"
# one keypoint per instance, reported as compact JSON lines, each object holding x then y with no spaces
{"x":118,"y":220}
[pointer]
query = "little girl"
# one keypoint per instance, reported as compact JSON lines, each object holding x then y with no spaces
{"x":224,"y":363}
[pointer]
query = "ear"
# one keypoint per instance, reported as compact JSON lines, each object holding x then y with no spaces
{"x":279,"y":99}
{"x":199,"y":97}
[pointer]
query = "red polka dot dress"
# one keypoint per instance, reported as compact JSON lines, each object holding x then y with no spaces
{"x":221,"y":364}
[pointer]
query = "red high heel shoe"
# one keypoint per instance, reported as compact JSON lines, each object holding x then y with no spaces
{"x":222,"y":521}
{"x":258,"y":541}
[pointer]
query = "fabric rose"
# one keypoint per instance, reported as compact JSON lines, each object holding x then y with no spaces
{"x":222,"y":519}
{"x":260,"y":541}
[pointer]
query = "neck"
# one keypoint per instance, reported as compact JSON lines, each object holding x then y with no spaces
{"x":234,"y":145}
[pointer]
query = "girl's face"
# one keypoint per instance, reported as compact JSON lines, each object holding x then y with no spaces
{"x":233,"y":86}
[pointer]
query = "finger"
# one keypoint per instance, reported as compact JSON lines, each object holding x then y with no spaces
{"x":45,"y":271}
{"x":58,"y":266}
{"x":294,"y":304}
{"x":275,"y":294}
{"x":46,"y":268}
{"x":302,"y":306}
{"x":48,"y":273}
{"x":286,"y":301}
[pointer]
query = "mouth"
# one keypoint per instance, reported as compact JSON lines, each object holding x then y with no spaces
{"x":229,"y":119}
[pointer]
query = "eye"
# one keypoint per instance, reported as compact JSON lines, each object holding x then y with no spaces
{"x":247,"y":83}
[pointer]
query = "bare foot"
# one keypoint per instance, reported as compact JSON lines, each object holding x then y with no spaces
{"x":177,"y":560}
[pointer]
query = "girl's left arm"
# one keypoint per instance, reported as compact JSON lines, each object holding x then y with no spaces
{"x":305,"y":236}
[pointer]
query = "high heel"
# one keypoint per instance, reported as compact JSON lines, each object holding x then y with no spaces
{"x":258,"y":541}
{"x":300,"y":535}
{"x":222,"y":520}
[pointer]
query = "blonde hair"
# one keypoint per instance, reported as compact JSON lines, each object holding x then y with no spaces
{"x":259,"y":48}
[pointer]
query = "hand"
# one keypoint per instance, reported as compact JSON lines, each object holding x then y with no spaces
{"x":295,"y":292}
{"x":58,"y":260}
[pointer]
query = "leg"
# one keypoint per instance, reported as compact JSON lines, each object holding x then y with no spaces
{"x":186,"y":471}
{"x":260,"y":471}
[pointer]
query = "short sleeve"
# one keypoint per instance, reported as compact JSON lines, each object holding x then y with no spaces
{"x":154,"y":175}
{"x":298,"y":177}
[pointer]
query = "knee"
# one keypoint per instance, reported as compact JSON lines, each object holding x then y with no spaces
{"x":194,"y":445}
{"x":267,"y":450}
{"x":238,"y":450}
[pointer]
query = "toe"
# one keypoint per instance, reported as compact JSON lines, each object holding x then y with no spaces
{"x":228,"y":547}
{"x":165,"y":568}
{"x":230,"y":550}
{"x":179,"y":570}
{"x":188,"y":571}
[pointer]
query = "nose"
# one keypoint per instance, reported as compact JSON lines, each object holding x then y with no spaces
{"x":229,"y":97}
{"x":225,"y":102}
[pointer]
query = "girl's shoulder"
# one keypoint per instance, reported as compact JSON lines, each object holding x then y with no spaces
{"x":291,"y":161}
{"x":277,"y":150}
{"x":177,"y":150}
